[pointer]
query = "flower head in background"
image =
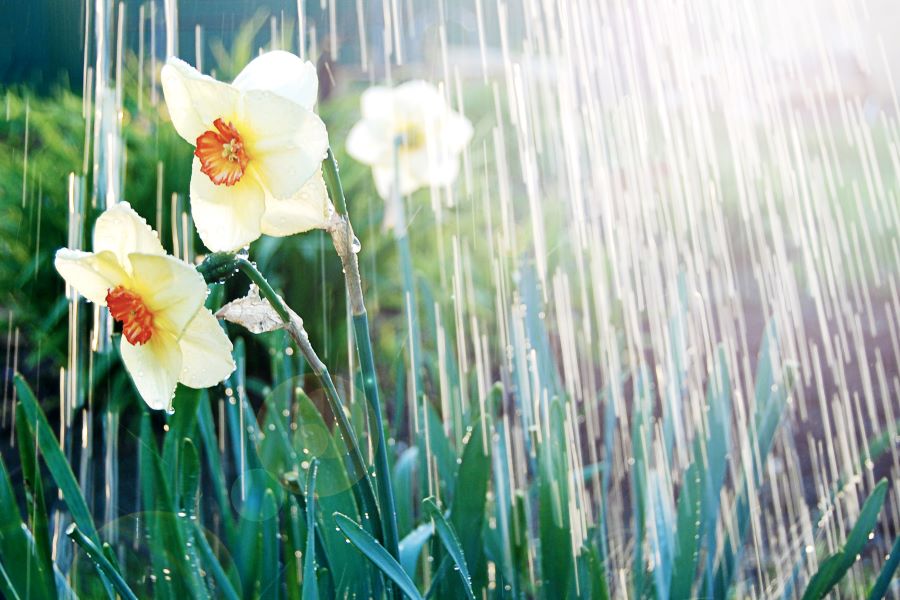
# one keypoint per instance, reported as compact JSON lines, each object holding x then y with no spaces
{"x":168,"y":335}
{"x":259,"y":148}
{"x":431,"y":136}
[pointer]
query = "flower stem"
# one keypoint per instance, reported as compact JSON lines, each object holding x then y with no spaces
{"x":346,"y":246}
{"x":294,"y":326}
{"x":253,"y":274}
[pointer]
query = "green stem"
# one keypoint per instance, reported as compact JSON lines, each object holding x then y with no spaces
{"x":253,"y":274}
{"x":100,"y":560}
{"x":294,"y":326}
{"x":409,"y":301}
{"x":333,"y":179}
{"x":344,"y":242}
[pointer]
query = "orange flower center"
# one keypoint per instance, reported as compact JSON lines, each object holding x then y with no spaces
{"x":127,"y":308}
{"x":221,"y":153}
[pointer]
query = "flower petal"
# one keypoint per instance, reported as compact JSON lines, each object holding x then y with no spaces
{"x":377,"y":103}
{"x":92,"y":275}
{"x":308,"y":209}
{"x":286,"y":142}
{"x":456,"y":132}
{"x":227,"y":217}
{"x":439,"y":168}
{"x":384,"y":180}
{"x":371,"y":142}
{"x":154,"y":368}
{"x":205,"y":352}
{"x":172,"y":289}
{"x":282,"y":73}
{"x":195,"y":100}
{"x":122,"y":231}
{"x":418,"y":99}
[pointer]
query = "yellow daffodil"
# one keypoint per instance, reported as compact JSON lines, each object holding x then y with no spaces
{"x":168,"y":336}
{"x":430,"y":135}
{"x":259,"y":148}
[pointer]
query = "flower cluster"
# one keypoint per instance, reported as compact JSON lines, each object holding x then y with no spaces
{"x":257,"y":161}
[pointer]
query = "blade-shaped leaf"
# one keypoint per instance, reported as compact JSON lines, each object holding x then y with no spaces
{"x":376,"y":553}
{"x":449,"y":539}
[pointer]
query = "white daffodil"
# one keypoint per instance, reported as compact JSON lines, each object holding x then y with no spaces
{"x":430,"y":135}
{"x":259,"y":148}
{"x":168,"y":335}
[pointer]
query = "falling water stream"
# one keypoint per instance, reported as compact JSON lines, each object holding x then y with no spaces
{"x":656,"y":191}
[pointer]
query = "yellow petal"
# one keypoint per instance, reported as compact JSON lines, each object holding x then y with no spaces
{"x":92,"y":275}
{"x":172,"y":289}
{"x":154,"y":368}
{"x":308,"y":209}
{"x":282,"y":73}
{"x":286,"y":142}
{"x":227,"y":217}
{"x":122,"y":231}
{"x":205,"y":352}
{"x":195,"y":100}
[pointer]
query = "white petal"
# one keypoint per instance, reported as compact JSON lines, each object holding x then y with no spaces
{"x":308,"y":209}
{"x":195,"y":100}
{"x":384,"y":180}
{"x":122,"y":231}
{"x":227,"y":217}
{"x":92,"y":275}
{"x":172,"y":289}
{"x":418,"y":98}
{"x":433,"y":169}
{"x":154,"y":368}
{"x":286,"y":142}
{"x":282,"y":73}
{"x":457,"y":132}
{"x":205,"y":352}
{"x":371,"y":142}
{"x":377,"y":103}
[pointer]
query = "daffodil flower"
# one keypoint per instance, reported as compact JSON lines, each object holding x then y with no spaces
{"x":259,"y":148}
{"x":168,"y":335}
{"x":430,"y":135}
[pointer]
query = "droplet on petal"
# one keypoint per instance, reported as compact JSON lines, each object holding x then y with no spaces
{"x":222,"y":155}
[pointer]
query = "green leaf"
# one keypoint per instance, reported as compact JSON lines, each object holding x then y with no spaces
{"x":100,"y":561}
{"x":771,"y":399}
{"x":698,"y":500}
{"x":225,"y":587}
{"x":270,"y":582}
{"x":449,"y":539}
{"x":880,"y":588}
{"x":207,"y":428}
{"x":334,"y":492}
{"x":469,"y":507}
{"x":599,"y":590}
{"x":553,"y":514}
{"x":404,"y":469}
{"x":376,"y":553}
{"x":310,"y":587}
{"x":411,"y":547}
{"x":833,"y":568}
{"x":34,"y":496}
{"x":22,"y":577}
{"x":56,"y":461}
